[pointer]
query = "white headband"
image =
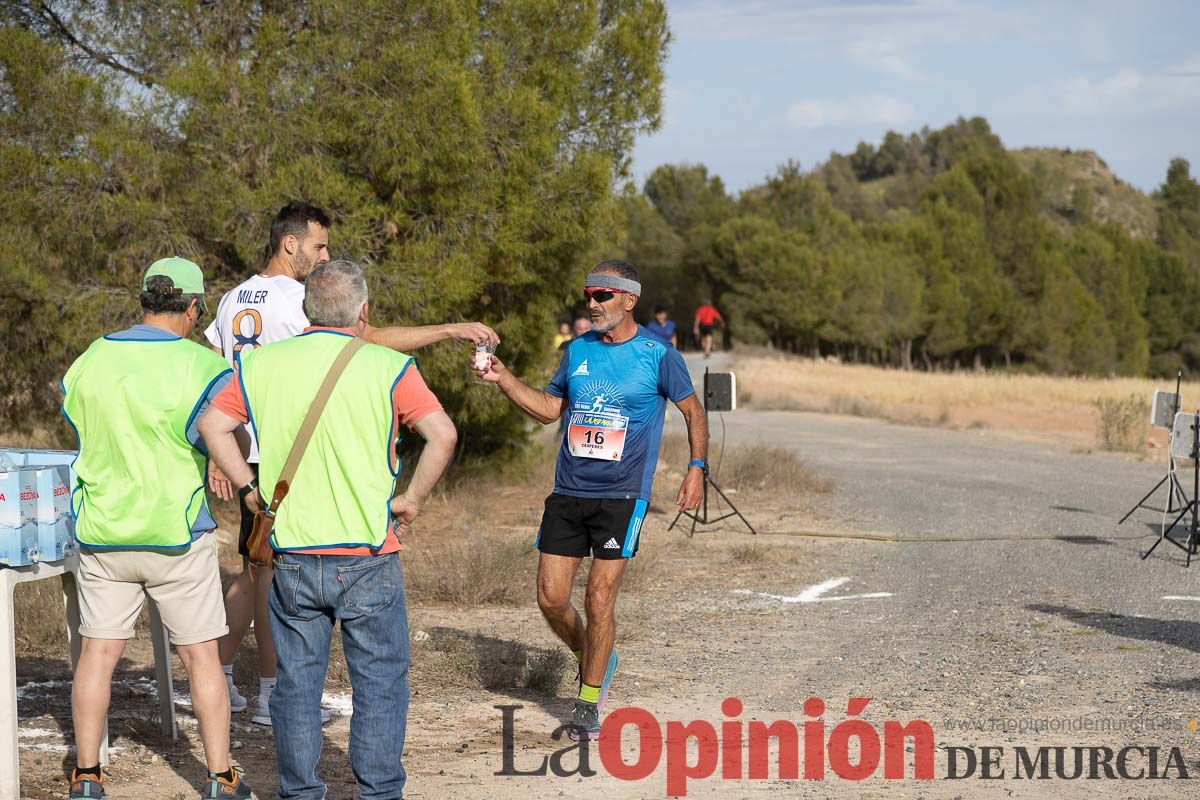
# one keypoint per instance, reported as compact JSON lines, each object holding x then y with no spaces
{"x":599,"y":281}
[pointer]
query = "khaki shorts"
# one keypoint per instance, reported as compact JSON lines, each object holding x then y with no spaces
{"x":185,"y":585}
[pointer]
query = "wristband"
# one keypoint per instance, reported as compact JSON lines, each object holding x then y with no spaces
{"x":695,"y":462}
{"x":245,"y":491}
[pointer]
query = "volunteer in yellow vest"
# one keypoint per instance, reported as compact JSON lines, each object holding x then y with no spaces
{"x":141,"y":515}
{"x":337,"y":533}
{"x":267,"y":308}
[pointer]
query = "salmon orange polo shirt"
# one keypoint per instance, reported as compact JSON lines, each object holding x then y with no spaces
{"x":412,"y":401}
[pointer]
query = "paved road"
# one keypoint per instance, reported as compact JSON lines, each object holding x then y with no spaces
{"x":916,"y":481}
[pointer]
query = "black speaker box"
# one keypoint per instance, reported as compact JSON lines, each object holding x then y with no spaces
{"x":720,"y":391}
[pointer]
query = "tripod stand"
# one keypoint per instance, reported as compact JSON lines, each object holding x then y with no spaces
{"x":1174,"y":489}
{"x":1190,"y":544}
{"x":701,"y":517}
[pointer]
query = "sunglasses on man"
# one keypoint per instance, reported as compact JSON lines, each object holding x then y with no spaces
{"x":601,"y":295}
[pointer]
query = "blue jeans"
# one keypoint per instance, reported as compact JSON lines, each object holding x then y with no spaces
{"x":367,"y":594}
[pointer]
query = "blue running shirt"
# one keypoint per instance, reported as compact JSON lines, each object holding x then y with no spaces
{"x":618,"y":395}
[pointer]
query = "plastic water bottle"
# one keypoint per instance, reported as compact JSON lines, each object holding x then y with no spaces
{"x":483,"y":356}
{"x":7,"y":464}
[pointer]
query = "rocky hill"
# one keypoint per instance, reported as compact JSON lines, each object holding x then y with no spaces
{"x":1067,"y":179}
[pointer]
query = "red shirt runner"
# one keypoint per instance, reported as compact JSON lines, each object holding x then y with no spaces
{"x":707,"y":315}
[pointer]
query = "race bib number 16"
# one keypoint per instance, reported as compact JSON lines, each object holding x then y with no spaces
{"x":591,"y":435}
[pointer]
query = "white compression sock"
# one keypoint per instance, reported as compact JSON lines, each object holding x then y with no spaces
{"x":266,"y":686}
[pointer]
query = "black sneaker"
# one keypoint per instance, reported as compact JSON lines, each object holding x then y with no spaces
{"x":87,"y":786}
{"x":218,"y":787}
{"x":585,"y":721}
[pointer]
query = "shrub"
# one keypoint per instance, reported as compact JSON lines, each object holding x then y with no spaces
{"x":1121,"y":423}
{"x":478,"y":570}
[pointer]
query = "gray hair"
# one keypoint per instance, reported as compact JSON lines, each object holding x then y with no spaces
{"x":334,"y":294}
{"x":618,"y":267}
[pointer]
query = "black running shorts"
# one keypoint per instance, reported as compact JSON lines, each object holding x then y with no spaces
{"x":600,"y":527}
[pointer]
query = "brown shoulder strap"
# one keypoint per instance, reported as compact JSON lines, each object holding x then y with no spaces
{"x":310,"y":421}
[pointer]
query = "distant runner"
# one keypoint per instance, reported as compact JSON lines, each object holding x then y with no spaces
{"x":663,"y":326}
{"x":706,"y":317}
{"x":612,"y":384}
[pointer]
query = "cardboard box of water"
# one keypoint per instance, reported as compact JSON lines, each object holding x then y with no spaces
{"x":56,"y":479}
{"x":18,"y":518}
{"x":41,"y":518}
{"x":54,"y":522}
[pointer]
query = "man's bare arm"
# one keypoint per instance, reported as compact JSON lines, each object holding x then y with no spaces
{"x":405,"y":339}
{"x":219,"y":431}
{"x":440,"y":437}
{"x":697,"y":425}
{"x":541,"y":405}
{"x":537,"y":403}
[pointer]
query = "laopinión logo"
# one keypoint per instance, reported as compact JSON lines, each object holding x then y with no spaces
{"x":734,"y":749}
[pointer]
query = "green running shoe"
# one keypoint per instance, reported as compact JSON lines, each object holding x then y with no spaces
{"x":585,"y":721}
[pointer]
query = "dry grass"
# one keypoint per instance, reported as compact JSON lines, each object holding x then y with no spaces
{"x":451,"y":658}
{"x":1039,"y":406}
{"x":766,"y":468}
{"x":755,"y":553}
{"x":750,"y":553}
{"x":547,"y":670}
{"x":477,"y":570}
{"x":755,"y":467}
{"x":649,"y":565}
{"x":1121,"y":423}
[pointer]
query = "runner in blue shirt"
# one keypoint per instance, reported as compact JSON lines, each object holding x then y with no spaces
{"x":613,"y":385}
{"x":663,"y":327}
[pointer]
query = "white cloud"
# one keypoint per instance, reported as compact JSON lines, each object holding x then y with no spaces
{"x":883,"y":36}
{"x":1129,"y":89}
{"x":892,"y":58}
{"x":859,"y":111}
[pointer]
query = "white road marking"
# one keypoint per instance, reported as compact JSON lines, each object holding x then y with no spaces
{"x":1180,"y":597}
{"x":815,"y":594}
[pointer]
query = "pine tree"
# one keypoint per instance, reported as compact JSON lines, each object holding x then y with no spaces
{"x":467,"y":149}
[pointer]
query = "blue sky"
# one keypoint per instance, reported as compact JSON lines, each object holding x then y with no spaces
{"x":751,"y":83}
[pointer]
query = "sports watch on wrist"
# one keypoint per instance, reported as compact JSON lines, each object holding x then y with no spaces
{"x":696,"y":462}
{"x":245,"y":491}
